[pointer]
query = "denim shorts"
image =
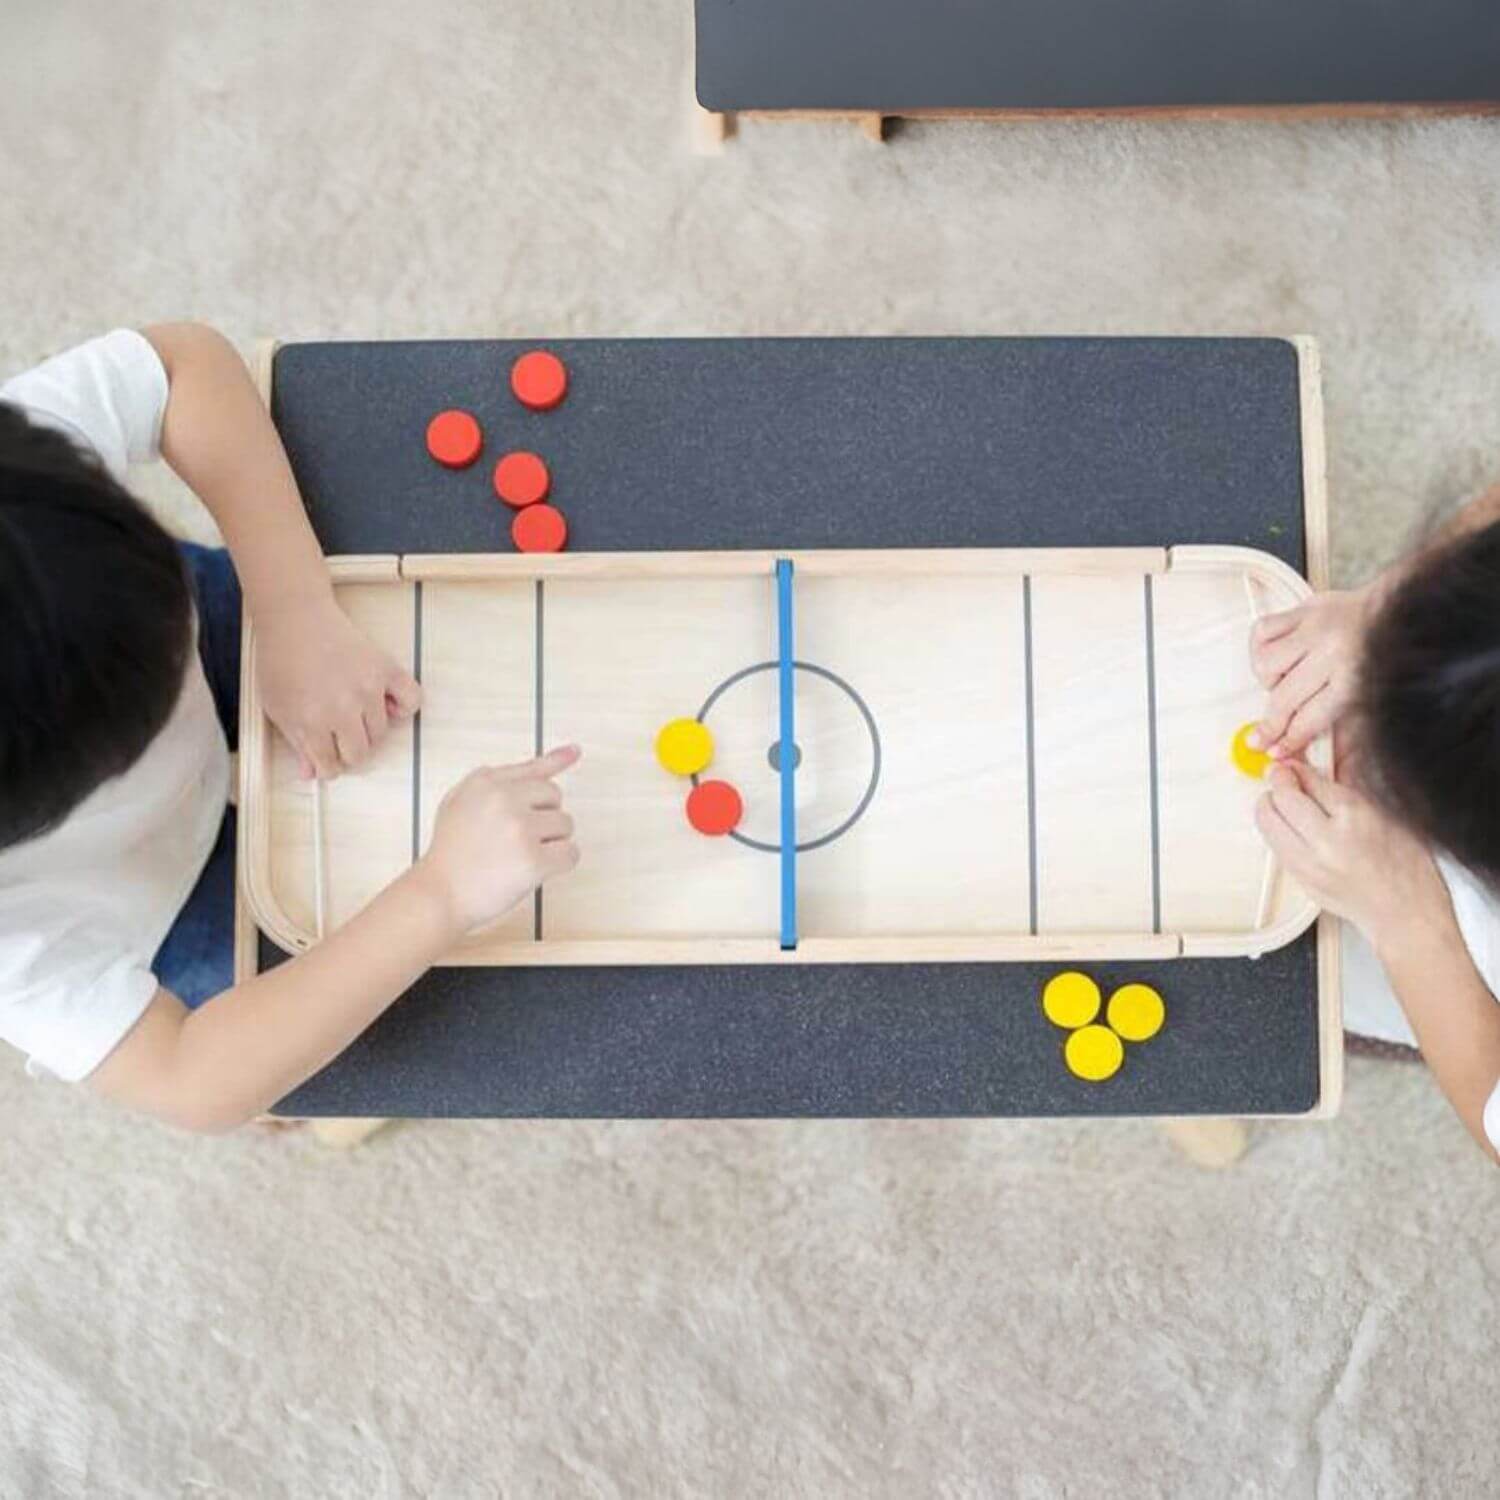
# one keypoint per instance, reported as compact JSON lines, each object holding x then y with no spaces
{"x":196,"y":960}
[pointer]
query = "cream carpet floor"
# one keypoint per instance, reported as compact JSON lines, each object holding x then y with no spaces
{"x":795,"y":1309}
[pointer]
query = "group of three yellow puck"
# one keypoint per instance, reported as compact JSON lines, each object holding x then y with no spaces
{"x":1071,"y":1000}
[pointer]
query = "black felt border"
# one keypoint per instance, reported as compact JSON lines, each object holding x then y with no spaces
{"x":789,"y":443}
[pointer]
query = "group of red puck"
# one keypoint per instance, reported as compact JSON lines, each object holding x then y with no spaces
{"x":539,"y":381}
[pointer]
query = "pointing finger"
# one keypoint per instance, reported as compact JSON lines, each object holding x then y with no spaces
{"x":550,"y":764}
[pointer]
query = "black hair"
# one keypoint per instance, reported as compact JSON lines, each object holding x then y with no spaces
{"x":96,"y":623}
{"x":1430,"y":710}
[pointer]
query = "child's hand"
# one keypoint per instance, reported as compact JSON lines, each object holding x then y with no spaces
{"x":327,"y":688}
{"x":1347,"y":854}
{"x":1307,"y":659}
{"x":499,"y":834}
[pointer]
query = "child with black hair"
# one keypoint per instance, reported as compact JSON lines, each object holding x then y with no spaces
{"x":119,"y":684}
{"x":1405,"y":844}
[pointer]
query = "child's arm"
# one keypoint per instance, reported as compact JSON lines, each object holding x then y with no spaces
{"x":1307,"y":658}
{"x":327,"y":688}
{"x":499,"y":834}
{"x":1451,"y":1009}
{"x":1354,"y":861}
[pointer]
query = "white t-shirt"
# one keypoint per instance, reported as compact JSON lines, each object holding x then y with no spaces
{"x":1370,"y":1004}
{"x":84,"y":908}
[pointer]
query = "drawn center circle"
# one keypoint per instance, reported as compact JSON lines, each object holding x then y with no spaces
{"x":773,"y":755}
{"x":773,"y":752}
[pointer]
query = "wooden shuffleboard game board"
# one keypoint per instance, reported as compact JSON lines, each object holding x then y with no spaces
{"x":979,"y":754}
{"x":1021,"y":451}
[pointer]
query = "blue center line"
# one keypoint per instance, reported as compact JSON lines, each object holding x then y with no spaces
{"x":788,"y":752}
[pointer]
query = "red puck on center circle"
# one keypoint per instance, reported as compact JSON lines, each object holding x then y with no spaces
{"x":521,"y":479}
{"x":539,"y":528}
{"x":714,"y":807}
{"x":454,"y":439}
{"x":539,"y":380}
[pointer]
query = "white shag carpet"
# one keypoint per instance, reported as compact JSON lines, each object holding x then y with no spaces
{"x":727,"y":1310}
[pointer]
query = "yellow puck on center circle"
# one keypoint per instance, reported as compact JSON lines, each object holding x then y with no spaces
{"x":1070,"y":999}
{"x":684,"y":747}
{"x":1094,"y":1053}
{"x":1251,"y":761}
{"x":1136,"y":1011}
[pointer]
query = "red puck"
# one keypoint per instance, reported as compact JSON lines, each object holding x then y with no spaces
{"x":539,"y":528}
{"x":521,"y":479}
{"x":539,"y":380}
{"x":714,"y":808}
{"x":454,"y":439}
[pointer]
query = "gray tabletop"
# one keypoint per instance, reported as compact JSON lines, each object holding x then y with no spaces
{"x":795,"y":443}
{"x":896,"y":56}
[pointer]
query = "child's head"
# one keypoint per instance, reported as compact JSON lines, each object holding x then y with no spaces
{"x":95,"y":627}
{"x":1430,"y":684}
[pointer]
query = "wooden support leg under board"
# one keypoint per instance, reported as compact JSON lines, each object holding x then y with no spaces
{"x":1208,"y":1141}
{"x":344,"y":1135}
{"x":708,"y":130}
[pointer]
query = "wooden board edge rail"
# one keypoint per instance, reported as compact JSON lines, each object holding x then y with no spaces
{"x":874,"y":562}
{"x":1102,"y":947}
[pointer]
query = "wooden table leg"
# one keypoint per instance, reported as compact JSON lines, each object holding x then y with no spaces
{"x":344,"y":1135}
{"x":708,"y":129}
{"x":1206,"y":1140}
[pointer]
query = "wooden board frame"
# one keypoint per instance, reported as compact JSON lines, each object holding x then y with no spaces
{"x":1002,"y":565}
{"x":1315,"y":509}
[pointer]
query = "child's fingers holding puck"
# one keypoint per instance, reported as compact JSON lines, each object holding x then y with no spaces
{"x":1314,"y":715}
{"x":1286,"y":698}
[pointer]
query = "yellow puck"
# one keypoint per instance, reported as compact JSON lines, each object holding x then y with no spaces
{"x":1136,"y":1012}
{"x":684,"y":747}
{"x":1094,"y":1053}
{"x":1251,"y":761}
{"x":1070,"y":999}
